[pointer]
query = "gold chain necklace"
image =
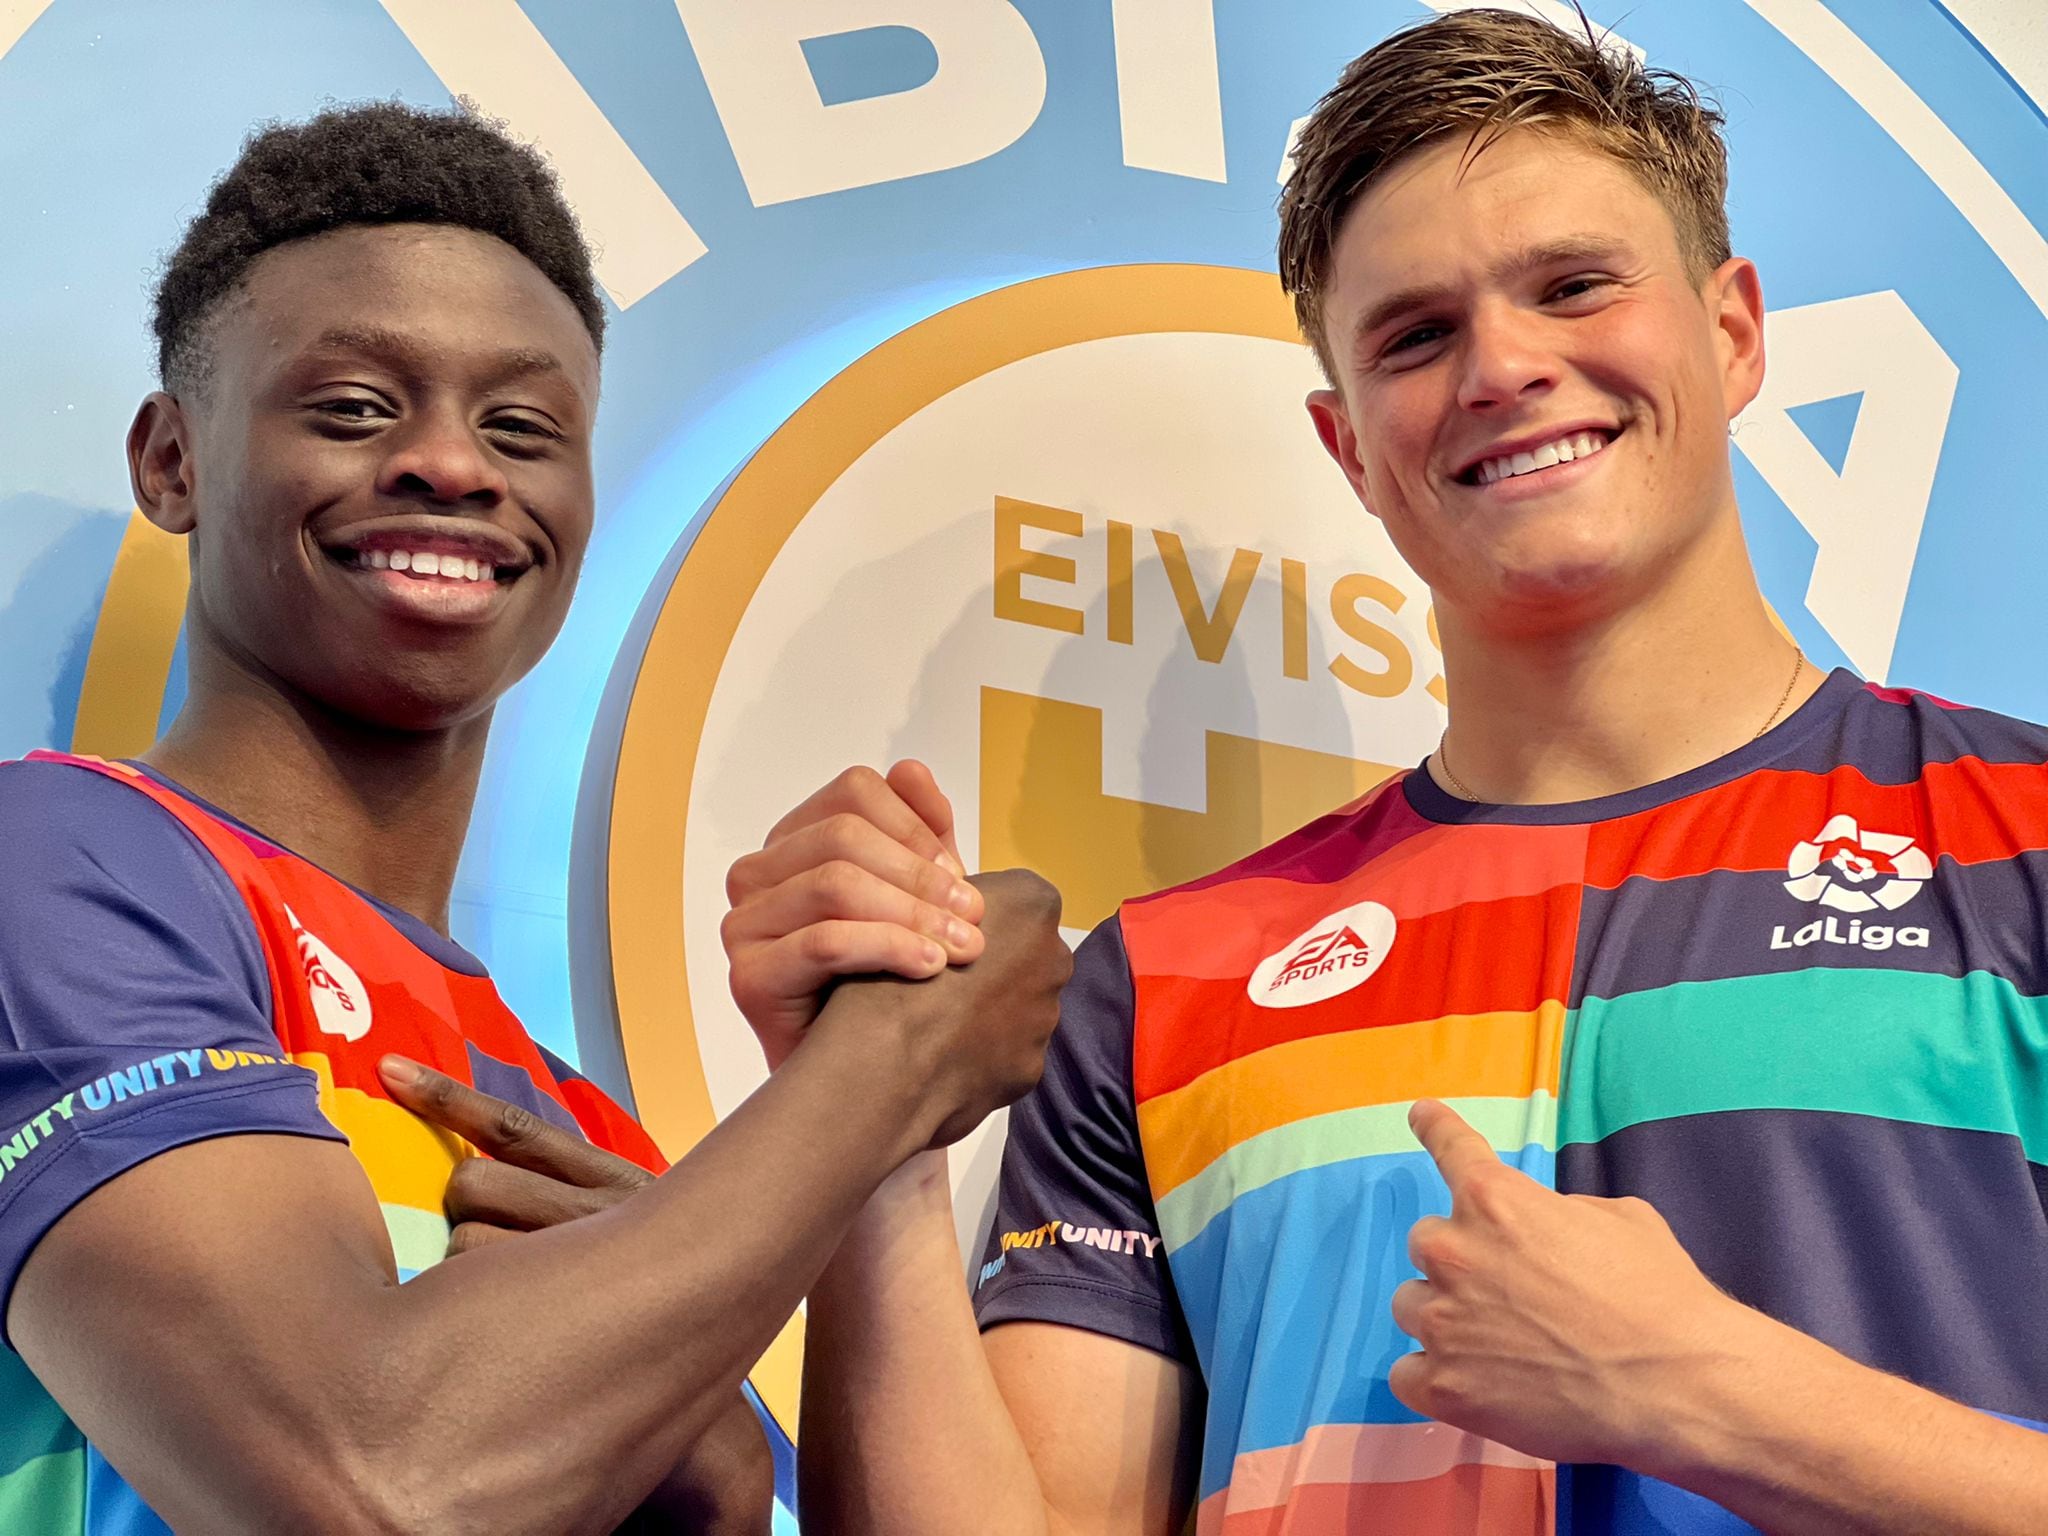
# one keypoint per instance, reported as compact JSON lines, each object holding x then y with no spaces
{"x":1443,"y":761}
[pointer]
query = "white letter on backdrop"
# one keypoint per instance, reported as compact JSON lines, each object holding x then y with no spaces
{"x":1167,"y":89}
{"x":490,"y":52}
{"x":1867,"y":519}
{"x":988,"y":90}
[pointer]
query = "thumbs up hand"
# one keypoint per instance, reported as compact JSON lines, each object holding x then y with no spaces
{"x":1569,"y":1327}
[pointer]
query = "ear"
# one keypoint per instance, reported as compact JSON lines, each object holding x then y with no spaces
{"x":1340,"y":439}
{"x":1735,"y":297}
{"x":161,"y":465}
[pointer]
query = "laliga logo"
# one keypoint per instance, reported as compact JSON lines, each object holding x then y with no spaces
{"x":1851,"y":870}
{"x":1855,"y":871}
{"x":1338,"y":953}
{"x":340,"y":1005}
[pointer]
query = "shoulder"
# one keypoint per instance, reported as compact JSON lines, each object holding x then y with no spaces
{"x":94,"y":862}
{"x":1895,"y":735}
{"x":51,"y":805}
{"x":59,"y":818}
{"x":1334,"y":847}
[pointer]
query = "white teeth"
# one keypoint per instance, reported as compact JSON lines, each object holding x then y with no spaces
{"x":428,"y":563}
{"x":1576,"y":446}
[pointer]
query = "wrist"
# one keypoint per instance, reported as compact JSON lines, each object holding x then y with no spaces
{"x":1709,"y":1418}
{"x":864,"y":1050}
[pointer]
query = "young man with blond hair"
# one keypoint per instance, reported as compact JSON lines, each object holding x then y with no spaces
{"x":1707,"y":982}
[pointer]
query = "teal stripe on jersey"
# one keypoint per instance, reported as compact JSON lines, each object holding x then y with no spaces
{"x":1966,"y":1053}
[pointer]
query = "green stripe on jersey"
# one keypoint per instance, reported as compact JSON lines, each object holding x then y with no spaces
{"x":1966,"y":1053}
{"x":1371,"y":1130}
{"x":46,"y":1494}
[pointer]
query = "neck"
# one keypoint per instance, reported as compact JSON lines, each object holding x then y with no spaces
{"x":385,"y":811}
{"x":1687,"y":675}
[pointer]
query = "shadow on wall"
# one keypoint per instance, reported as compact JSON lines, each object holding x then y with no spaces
{"x":47,"y":612}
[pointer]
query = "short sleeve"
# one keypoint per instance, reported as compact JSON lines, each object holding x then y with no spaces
{"x":1075,"y":1239}
{"x":134,"y":1000}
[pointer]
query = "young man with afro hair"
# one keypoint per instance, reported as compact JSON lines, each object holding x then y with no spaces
{"x":247,"y":1062}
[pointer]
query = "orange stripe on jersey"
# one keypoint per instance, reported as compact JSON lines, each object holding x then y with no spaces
{"x":1489,"y":1055}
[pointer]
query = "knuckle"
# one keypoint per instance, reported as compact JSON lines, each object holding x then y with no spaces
{"x":840,"y":833}
{"x":739,"y":879}
{"x":463,"y":1182}
{"x":861,"y":783}
{"x":836,"y":885}
{"x":823,"y":944}
{"x":1493,"y":1197}
{"x":515,"y":1125}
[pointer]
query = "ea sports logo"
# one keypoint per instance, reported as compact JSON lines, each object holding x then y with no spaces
{"x":1852,"y":870}
{"x":1338,"y":953}
{"x":340,"y":1004}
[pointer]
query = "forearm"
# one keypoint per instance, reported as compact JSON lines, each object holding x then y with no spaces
{"x":723,"y":1486}
{"x":633,"y":1327}
{"x":1801,"y":1441}
{"x":904,"y":1430}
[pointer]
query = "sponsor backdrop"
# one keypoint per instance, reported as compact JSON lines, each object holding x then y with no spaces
{"x":952,"y":410}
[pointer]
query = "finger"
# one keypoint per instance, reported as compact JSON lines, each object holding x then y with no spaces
{"x":509,"y":1132}
{"x":1409,"y":1305}
{"x":849,"y":839}
{"x":1427,"y":1240}
{"x":1458,"y":1151}
{"x":864,"y":793}
{"x":472,"y":1235}
{"x":918,"y":788}
{"x":841,"y":891}
{"x":517,"y":1199}
{"x":805,"y":961}
{"x":1409,"y":1380}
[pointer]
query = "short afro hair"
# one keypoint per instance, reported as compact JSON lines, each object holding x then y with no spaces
{"x":377,"y":163}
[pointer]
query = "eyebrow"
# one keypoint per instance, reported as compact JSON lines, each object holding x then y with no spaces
{"x":392,"y":347}
{"x":1572,"y":248}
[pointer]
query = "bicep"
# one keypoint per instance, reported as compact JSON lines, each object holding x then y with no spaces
{"x":194,"y":1314}
{"x":1112,"y":1429}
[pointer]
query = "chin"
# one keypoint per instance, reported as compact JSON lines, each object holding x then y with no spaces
{"x":1559,"y":594}
{"x":415,"y":704}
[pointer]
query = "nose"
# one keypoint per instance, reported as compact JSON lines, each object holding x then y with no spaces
{"x":1506,"y":358}
{"x":437,"y":455}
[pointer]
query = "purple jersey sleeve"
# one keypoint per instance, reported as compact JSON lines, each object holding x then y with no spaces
{"x":134,"y":1000}
{"x":1075,"y":1239}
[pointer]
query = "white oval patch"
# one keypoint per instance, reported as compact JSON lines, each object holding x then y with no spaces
{"x":1328,"y":960}
{"x":340,"y":1005}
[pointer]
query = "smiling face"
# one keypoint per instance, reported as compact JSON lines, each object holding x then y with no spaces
{"x":386,"y":476}
{"x":1533,"y":393}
